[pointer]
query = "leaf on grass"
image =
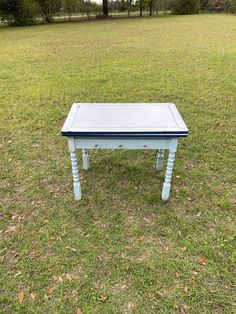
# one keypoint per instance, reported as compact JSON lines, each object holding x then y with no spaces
{"x":32,"y":296}
{"x":60,"y":279}
{"x":10,"y":229}
{"x":202,"y":261}
{"x":69,"y":276}
{"x":131,"y":305}
{"x":159,"y":293}
{"x":177,"y":274}
{"x":50,"y":290}
{"x":21,"y":297}
{"x":149,"y":295}
{"x":181,"y":308}
{"x":79,"y":311}
{"x":213,"y":290}
{"x":186,"y":290}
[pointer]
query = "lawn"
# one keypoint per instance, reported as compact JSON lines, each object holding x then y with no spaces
{"x":120,"y":249}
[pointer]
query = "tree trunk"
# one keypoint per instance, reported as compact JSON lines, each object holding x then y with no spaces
{"x":129,"y":7}
{"x":150,"y":7}
{"x":140,"y":8}
{"x":105,"y":7}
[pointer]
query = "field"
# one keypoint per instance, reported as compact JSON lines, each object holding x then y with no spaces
{"x":121,"y":249}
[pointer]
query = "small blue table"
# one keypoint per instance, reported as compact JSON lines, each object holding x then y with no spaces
{"x":124,"y":126}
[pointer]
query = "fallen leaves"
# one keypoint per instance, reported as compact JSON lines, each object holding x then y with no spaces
{"x":32,"y":296}
{"x":79,"y":311}
{"x":188,"y":165}
{"x":142,"y":238}
{"x":35,"y":254}
{"x":213,"y":290}
{"x":177,"y":274}
{"x":10,"y":229}
{"x":181,"y":308}
{"x":131,"y":306}
{"x":202,"y":261}
{"x":75,"y":275}
{"x":50,"y":290}
{"x":159,"y":293}
{"x":21,"y":297}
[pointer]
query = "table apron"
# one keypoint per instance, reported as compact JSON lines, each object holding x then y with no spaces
{"x":121,"y":143}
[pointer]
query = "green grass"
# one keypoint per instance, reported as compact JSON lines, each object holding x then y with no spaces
{"x":121,"y":249}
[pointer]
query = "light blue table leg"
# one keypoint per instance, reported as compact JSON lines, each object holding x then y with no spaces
{"x":75,"y":169}
{"x":169,"y":170}
{"x":160,"y":156}
{"x":86,"y":164}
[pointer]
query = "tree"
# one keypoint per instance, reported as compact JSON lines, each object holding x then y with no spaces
{"x":216,"y":5}
{"x":18,"y":12}
{"x":230,"y":6}
{"x":129,"y":6}
{"x":49,"y":8}
{"x":151,"y":7}
{"x":69,"y":6}
{"x":185,"y":6}
{"x":140,"y":7}
{"x":105,"y":7}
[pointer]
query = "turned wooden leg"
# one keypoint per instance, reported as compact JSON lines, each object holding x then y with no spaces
{"x":160,"y":156}
{"x":86,"y":165}
{"x":75,"y":169}
{"x":169,"y":170}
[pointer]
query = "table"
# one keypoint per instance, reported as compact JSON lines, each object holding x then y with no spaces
{"x":124,"y":126}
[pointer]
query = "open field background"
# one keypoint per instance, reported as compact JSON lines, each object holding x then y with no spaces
{"x":119,"y":250}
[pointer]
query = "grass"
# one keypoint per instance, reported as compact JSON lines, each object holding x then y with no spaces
{"x":121,"y":249}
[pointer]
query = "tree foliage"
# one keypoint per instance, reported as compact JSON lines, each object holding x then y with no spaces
{"x":49,"y":8}
{"x":18,"y":12}
{"x":185,"y":6}
{"x":230,"y":6}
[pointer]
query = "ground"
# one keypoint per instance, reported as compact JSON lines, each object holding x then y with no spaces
{"x":120,"y":249}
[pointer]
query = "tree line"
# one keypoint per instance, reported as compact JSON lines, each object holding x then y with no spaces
{"x":28,"y":12}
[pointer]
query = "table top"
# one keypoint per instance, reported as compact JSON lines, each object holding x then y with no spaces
{"x":124,"y":120}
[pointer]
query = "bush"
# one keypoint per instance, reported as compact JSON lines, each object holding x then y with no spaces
{"x":185,"y":6}
{"x":230,"y":6}
{"x":18,"y":12}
